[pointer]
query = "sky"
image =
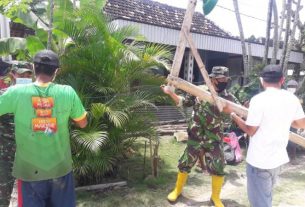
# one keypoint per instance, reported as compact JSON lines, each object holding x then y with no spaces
{"x":253,"y":15}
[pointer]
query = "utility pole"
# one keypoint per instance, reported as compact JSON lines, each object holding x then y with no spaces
{"x":184,"y":38}
{"x":268,"y":28}
{"x":49,"y":44}
{"x":242,"y":40}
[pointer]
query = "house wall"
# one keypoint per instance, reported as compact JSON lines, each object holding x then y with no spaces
{"x":212,"y":58}
{"x":4,"y":27}
{"x":234,"y":64}
{"x":5,"y":32}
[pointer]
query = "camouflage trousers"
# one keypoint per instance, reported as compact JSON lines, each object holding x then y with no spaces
{"x":7,"y":154}
{"x":213,"y":155}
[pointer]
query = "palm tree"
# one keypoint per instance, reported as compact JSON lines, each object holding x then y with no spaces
{"x":242,"y":39}
{"x":287,"y":32}
{"x":50,"y":24}
{"x":268,"y":28}
{"x":275,"y":34}
{"x":283,"y":17}
{"x":115,"y":75}
{"x":292,"y":39}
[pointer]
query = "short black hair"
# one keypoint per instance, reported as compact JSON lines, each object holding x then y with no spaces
{"x":272,"y":73}
{"x":272,"y":79}
{"x":45,"y":69}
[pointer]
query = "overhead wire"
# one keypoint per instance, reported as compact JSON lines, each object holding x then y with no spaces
{"x":246,"y":15}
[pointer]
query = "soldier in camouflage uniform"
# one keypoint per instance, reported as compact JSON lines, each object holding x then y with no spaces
{"x":7,"y":138}
{"x":205,"y":132}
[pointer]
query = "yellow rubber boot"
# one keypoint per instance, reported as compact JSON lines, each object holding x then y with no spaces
{"x":181,"y":179}
{"x":217,"y":182}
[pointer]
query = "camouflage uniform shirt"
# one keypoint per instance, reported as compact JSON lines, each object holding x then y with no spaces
{"x":205,"y":131}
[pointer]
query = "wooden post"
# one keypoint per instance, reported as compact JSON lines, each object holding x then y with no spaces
{"x":185,"y":28}
{"x":206,"y":96}
{"x":184,"y":38}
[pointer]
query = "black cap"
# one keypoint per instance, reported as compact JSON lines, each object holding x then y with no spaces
{"x":47,"y":57}
{"x":4,"y":67}
{"x":272,"y":72}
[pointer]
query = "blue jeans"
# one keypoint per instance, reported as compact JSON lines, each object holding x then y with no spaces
{"x":260,"y":183}
{"x":58,"y":192}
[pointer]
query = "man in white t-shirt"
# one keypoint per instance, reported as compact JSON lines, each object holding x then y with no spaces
{"x":270,"y":116}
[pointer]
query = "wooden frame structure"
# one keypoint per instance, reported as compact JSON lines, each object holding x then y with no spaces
{"x":212,"y":97}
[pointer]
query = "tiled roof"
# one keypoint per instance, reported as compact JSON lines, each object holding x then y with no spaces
{"x":19,"y":30}
{"x":155,"y":13}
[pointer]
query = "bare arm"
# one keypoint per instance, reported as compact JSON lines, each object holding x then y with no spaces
{"x":250,"y":130}
{"x":299,"y":124}
{"x":172,"y":94}
{"x":82,"y":123}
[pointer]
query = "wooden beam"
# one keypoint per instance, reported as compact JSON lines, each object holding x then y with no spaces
{"x":206,"y":96}
{"x":203,"y":70}
{"x":101,"y":186}
{"x":298,"y":139}
{"x":186,"y":27}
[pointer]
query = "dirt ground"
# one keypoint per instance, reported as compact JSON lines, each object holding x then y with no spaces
{"x":289,"y":191}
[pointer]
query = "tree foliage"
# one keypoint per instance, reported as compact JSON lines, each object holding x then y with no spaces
{"x":9,"y":8}
{"x":108,"y":76}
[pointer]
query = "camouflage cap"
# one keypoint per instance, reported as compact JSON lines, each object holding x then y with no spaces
{"x":219,"y":72}
{"x":21,"y":67}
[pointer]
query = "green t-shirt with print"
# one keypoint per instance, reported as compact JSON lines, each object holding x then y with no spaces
{"x":42,"y":128}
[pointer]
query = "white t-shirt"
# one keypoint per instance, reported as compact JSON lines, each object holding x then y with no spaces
{"x":272,"y":111}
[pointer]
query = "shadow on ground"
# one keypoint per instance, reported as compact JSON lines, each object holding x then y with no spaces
{"x":195,"y":203}
{"x":234,"y":177}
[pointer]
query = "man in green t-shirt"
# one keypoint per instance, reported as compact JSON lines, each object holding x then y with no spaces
{"x":42,"y":110}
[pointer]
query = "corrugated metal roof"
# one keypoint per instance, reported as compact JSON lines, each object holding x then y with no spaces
{"x":155,"y":13}
{"x":167,"y":36}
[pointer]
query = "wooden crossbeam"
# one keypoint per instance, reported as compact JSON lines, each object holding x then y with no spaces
{"x":207,"y":97}
{"x":203,"y":70}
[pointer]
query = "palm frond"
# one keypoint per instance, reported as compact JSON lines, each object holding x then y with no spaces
{"x":118,"y":118}
{"x":99,"y":110}
{"x":91,"y":140}
{"x":102,"y":89}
